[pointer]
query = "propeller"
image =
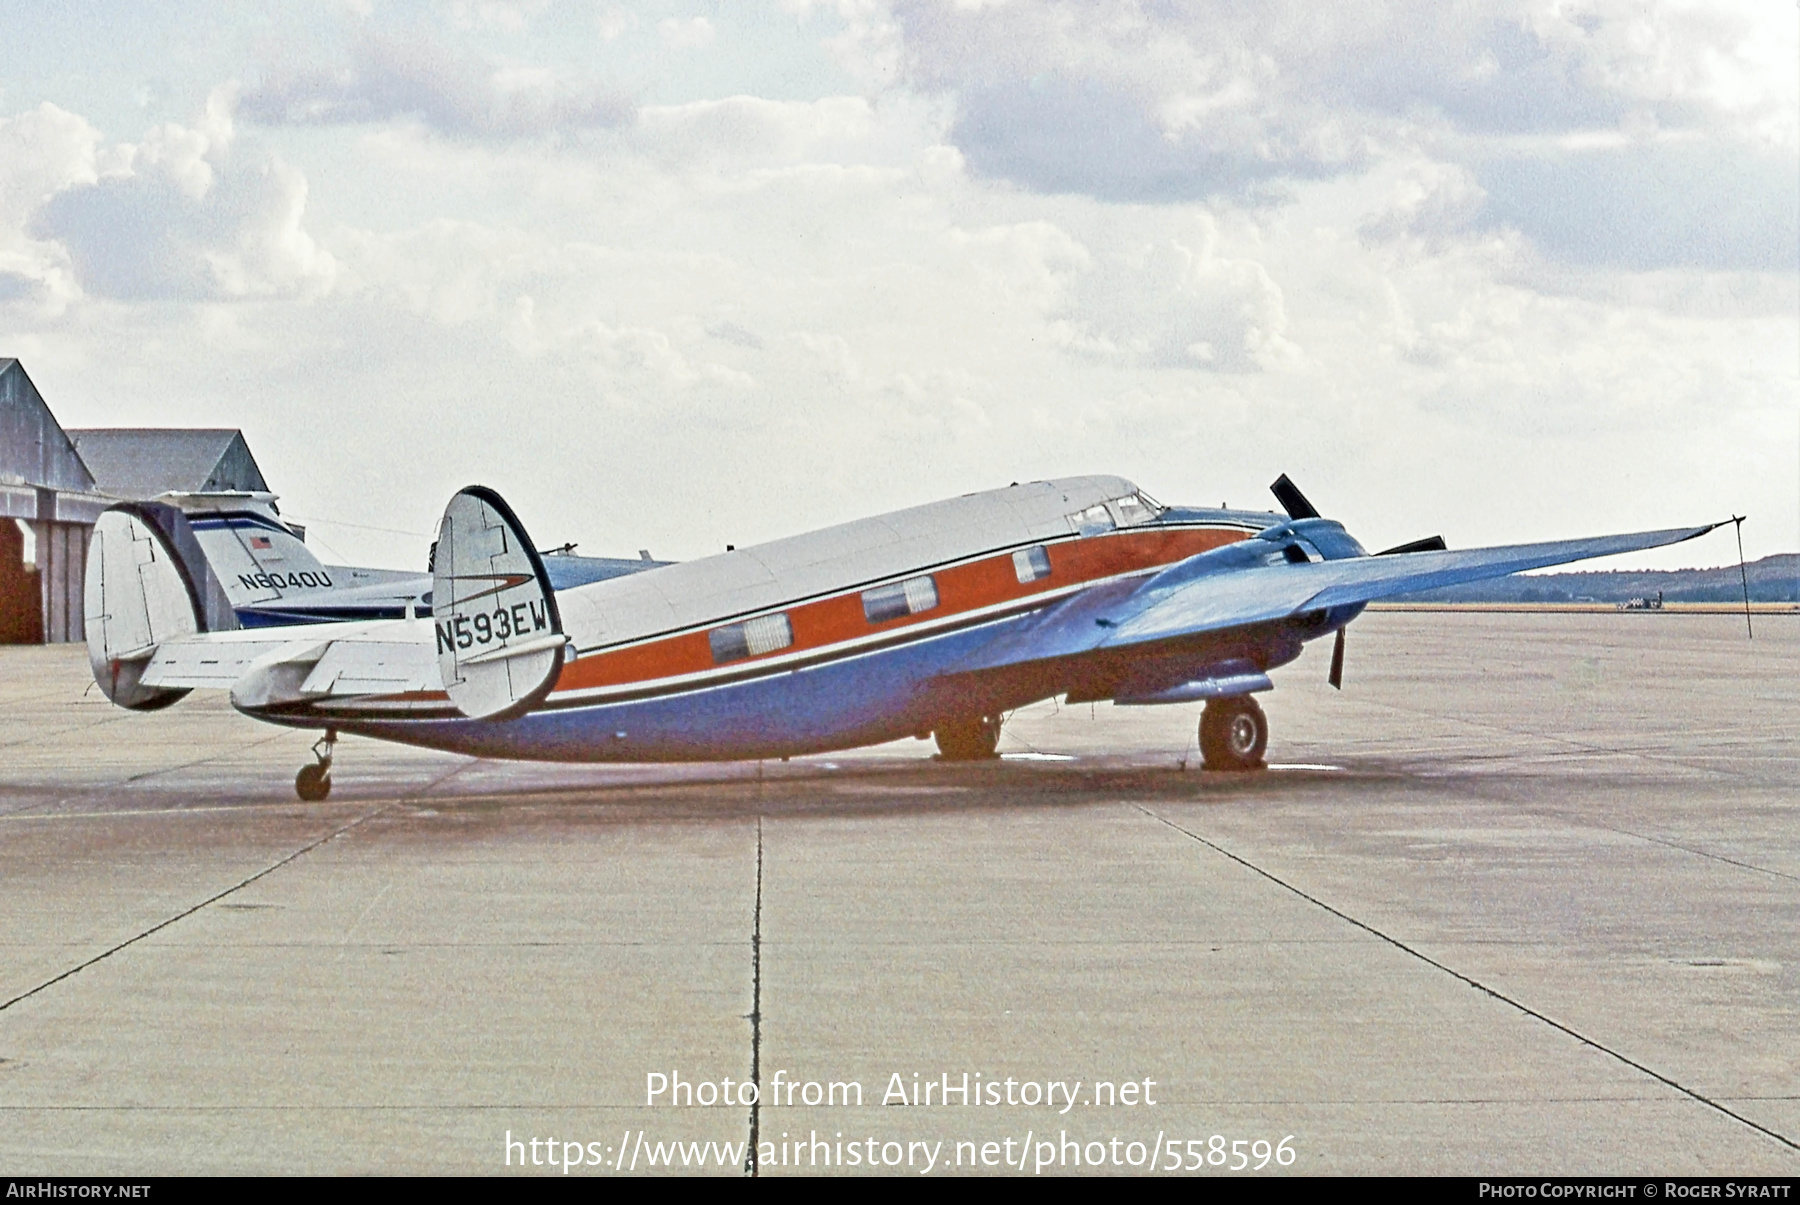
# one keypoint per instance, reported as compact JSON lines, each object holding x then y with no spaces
{"x":1292,"y":500}
{"x":1428,"y":544}
{"x":1297,"y":507}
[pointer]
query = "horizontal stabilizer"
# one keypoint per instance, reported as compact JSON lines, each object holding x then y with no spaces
{"x":269,"y":668}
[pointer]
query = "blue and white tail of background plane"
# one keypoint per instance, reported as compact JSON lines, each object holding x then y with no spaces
{"x":256,"y":568}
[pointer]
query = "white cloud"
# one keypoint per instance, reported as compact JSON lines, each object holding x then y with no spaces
{"x":42,"y":152}
{"x":1033,"y":264}
{"x":1129,"y":101}
{"x":686,"y":33}
{"x":496,"y":15}
{"x":181,"y":215}
{"x":615,"y":21}
{"x":1182,"y":305}
{"x":869,"y":42}
{"x":747,"y":130}
{"x":388,"y":79}
{"x":1433,"y":201}
{"x":1656,"y":203}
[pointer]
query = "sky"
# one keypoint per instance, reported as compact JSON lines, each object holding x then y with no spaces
{"x":676,"y":275}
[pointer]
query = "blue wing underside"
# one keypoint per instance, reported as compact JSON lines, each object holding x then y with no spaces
{"x":1232,"y":608}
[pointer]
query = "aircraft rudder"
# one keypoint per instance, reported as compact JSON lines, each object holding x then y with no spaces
{"x":257,"y":558}
{"x":499,"y":637}
{"x":138,"y":595}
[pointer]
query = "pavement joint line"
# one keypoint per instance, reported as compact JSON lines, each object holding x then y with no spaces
{"x":1579,"y":818}
{"x":187,"y":912}
{"x":437,"y":782}
{"x":73,"y":728}
{"x":1687,"y":849}
{"x":1477,"y":984}
{"x":751,"y":1162}
{"x":1573,"y":744}
{"x":24,"y":811}
{"x":199,"y":761}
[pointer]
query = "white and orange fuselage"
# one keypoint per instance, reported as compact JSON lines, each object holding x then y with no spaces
{"x":846,"y":636}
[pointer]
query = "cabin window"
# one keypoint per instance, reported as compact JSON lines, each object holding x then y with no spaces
{"x":752,"y":638}
{"x":1031,"y":563}
{"x":1094,"y":521}
{"x":900,"y":599}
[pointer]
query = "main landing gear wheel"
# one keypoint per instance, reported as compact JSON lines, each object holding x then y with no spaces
{"x":971,"y":739}
{"x":313,"y":783}
{"x":1233,"y":734}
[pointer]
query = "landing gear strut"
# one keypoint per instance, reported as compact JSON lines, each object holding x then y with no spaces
{"x":1233,"y":734}
{"x":972,"y":738}
{"x":313,"y":782}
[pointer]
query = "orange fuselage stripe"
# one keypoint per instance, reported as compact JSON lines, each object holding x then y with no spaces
{"x":971,"y":586}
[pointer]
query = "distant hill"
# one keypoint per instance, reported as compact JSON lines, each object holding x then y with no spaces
{"x":1772,"y":579}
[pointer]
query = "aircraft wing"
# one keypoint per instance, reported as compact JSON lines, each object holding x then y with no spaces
{"x":1184,"y":601}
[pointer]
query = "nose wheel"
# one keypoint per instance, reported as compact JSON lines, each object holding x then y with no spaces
{"x":1234,"y":733}
{"x":313,"y":783}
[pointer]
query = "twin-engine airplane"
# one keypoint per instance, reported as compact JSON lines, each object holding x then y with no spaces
{"x":929,"y":621}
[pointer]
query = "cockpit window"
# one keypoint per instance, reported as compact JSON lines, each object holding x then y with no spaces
{"x":1095,"y":520}
{"x":1136,"y":508}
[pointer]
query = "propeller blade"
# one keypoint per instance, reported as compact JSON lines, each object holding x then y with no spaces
{"x":1336,"y":678}
{"x":1292,"y":500}
{"x":1428,"y":544}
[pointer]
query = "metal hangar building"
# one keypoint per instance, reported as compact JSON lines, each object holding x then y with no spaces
{"x":54,"y":483}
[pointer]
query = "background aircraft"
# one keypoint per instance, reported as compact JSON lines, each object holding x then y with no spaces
{"x":266,"y":576}
{"x":929,"y":621}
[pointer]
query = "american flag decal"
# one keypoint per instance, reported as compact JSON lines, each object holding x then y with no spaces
{"x":261,"y":542}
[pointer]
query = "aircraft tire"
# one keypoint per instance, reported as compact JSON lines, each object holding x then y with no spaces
{"x":313,"y":783}
{"x":1234,"y":732}
{"x":971,"y":739}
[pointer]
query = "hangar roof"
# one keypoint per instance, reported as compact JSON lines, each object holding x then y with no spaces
{"x":34,"y":449}
{"x":143,"y":462}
